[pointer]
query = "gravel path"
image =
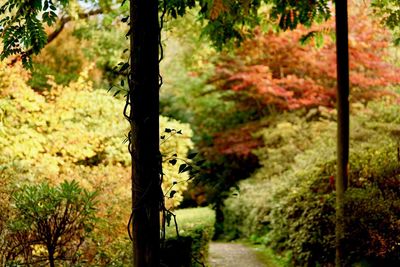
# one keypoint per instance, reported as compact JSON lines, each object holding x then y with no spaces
{"x":232,"y":255}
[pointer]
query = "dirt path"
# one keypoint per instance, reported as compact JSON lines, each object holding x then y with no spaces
{"x":232,"y":255}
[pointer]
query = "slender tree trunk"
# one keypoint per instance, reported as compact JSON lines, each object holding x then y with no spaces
{"x":342,"y":49}
{"x":144,"y":99}
{"x":51,"y":256}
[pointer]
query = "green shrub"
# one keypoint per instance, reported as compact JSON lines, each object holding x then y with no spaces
{"x":50,"y":223}
{"x":190,"y":248}
{"x":293,"y":210}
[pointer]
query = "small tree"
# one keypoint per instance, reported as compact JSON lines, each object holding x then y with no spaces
{"x":50,"y":223}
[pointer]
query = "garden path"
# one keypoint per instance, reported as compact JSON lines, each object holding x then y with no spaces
{"x":232,"y":255}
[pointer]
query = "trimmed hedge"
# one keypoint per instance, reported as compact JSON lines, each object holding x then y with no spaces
{"x":190,"y":248}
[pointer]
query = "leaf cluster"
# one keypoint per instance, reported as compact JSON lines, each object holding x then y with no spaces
{"x":389,"y":12}
{"x":22,"y":30}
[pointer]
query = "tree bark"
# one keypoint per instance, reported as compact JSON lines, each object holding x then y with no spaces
{"x":144,"y":114}
{"x":342,"y":50}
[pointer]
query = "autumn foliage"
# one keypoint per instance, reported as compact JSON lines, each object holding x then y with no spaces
{"x":75,"y":132}
{"x":276,"y":69}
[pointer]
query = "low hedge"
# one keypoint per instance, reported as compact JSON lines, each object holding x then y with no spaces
{"x":190,"y":248}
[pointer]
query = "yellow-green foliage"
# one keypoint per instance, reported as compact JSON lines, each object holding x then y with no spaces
{"x":73,"y":127}
{"x":179,"y":144}
{"x":292,"y":207}
{"x":76,"y":132}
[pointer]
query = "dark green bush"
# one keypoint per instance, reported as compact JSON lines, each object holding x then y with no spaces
{"x":188,"y":250}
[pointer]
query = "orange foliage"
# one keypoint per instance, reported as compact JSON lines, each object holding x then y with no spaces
{"x":274,"y":69}
{"x":237,"y":141}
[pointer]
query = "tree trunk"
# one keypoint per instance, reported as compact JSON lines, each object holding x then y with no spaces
{"x":144,"y":99}
{"x":51,"y":251}
{"x":342,"y":50}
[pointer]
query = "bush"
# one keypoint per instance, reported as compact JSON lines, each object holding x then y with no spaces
{"x":190,"y":248}
{"x":76,"y":133}
{"x":50,"y":223}
{"x":293,"y":209}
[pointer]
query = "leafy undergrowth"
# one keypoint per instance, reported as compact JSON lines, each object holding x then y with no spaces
{"x":288,"y":204}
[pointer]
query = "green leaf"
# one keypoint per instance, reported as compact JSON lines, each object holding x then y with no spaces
{"x":124,"y":67}
{"x":125,"y":19}
{"x":37,"y":4}
{"x":182,"y":168}
{"x":188,"y":168}
{"x":200,"y":162}
{"x":168,"y":218}
{"x":192,"y":155}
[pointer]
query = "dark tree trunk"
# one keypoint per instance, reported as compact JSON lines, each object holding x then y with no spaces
{"x":51,"y":251}
{"x":219,"y":220}
{"x":144,"y":99}
{"x":342,"y":49}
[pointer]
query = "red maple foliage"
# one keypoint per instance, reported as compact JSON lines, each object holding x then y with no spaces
{"x":275,"y":69}
{"x":236,"y":141}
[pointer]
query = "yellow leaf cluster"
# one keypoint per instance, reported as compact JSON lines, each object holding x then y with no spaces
{"x":77,"y":132}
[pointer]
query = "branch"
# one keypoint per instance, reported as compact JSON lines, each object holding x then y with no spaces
{"x":58,"y":30}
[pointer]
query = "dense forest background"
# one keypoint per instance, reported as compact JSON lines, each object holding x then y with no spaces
{"x":248,"y":131}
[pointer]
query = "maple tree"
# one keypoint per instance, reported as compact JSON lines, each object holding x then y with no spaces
{"x":275,"y":72}
{"x":275,"y":69}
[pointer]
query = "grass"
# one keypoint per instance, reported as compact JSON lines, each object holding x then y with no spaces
{"x":190,"y":219}
{"x":267,"y":256}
